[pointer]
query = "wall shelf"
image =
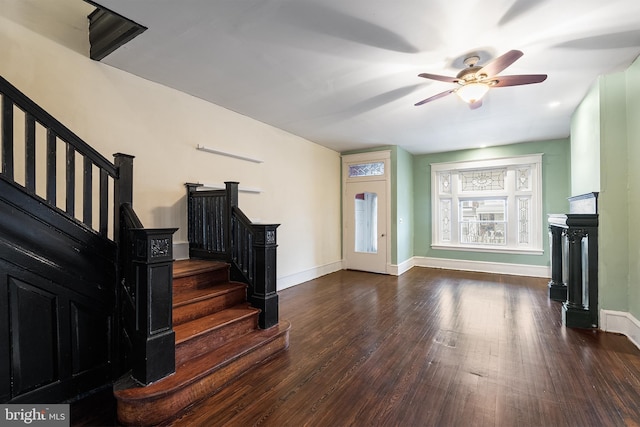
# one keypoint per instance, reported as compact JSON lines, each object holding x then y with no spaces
{"x":227,"y":154}
{"x":206,"y":186}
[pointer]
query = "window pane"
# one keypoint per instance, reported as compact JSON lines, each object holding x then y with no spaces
{"x":366,"y":169}
{"x":523,"y":178}
{"x":483,"y":221}
{"x":445,"y":182}
{"x":483,"y":180}
{"x":366,"y":220}
{"x":445,"y":220}
{"x":524,"y":222}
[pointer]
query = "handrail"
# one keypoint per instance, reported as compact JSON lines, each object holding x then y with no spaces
{"x":48,"y":121}
{"x":242,"y":244}
{"x":129,"y":216}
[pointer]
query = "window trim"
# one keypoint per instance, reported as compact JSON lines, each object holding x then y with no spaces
{"x":511,"y":193}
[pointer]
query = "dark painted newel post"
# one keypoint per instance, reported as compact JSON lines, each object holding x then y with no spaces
{"x":146,"y":272}
{"x":122,"y":195}
{"x":152,"y":263}
{"x":557,"y":287}
{"x":123,"y":191}
{"x":264,"y":293}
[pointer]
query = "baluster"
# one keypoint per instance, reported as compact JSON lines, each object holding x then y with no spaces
{"x":87,"y":192}
{"x":51,"y":166}
{"x":231,"y":201}
{"x":104,"y":203}
{"x":199,"y":212}
{"x":30,"y":152}
{"x":7,"y":137}
{"x":71,"y":180}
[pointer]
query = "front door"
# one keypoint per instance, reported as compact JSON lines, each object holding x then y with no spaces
{"x":365,"y":226}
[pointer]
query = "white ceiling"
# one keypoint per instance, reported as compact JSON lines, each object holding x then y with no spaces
{"x":343,"y":73}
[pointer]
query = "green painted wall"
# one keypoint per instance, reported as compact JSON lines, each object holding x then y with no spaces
{"x":633,"y":183}
{"x":403,"y":188}
{"x":613,"y":265}
{"x":585,"y":156}
{"x":615,"y":104}
{"x":556,"y":168}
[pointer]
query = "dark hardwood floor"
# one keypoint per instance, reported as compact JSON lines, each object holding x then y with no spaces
{"x":429,"y":348}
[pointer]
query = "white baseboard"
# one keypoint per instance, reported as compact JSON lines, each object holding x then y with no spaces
{"x":484,"y":267}
{"x":403,"y":267}
{"x":621,"y":322}
{"x":304,"y":276}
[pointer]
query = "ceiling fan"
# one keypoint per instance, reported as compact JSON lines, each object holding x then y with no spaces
{"x":475,"y":80}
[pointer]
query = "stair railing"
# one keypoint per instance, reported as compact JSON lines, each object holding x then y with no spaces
{"x":218,"y":229}
{"x":142,"y":296}
{"x":38,"y":124}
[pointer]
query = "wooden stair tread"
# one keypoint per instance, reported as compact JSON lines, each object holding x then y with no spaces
{"x":199,"y":367}
{"x":187,"y":296}
{"x":207,"y":323}
{"x":187,"y":267}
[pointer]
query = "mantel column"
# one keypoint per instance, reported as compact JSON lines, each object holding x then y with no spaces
{"x":557,"y":288}
{"x":574,"y":312}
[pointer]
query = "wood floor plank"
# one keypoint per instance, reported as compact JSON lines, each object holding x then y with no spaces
{"x":431,"y":348}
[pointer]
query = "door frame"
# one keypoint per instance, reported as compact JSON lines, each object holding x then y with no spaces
{"x":371,"y":157}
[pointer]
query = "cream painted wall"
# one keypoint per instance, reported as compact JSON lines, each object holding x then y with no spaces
{"x":118,"y":112}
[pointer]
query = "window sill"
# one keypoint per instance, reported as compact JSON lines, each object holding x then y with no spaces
{"x":491,"y":249}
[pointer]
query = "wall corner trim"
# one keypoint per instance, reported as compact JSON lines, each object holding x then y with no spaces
{"x":621,"y":322}
{"x":403,"y":267}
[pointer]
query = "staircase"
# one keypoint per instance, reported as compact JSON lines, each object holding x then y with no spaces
{"x":217,"y":340}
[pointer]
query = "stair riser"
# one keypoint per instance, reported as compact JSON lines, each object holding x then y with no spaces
{"x":163,"y":408}
{"x":201,"y":280}
{"x":198,"y":309}
{"x":210,"y":340}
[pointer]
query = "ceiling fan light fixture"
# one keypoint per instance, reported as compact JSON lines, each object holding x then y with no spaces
{"x":472,"y":92}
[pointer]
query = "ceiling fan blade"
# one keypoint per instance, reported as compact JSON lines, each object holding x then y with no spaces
{"x":434,"y":97}
{"x":476,"y":105}
{"x":522,"y":79}
{"x":438,"y":77}
{"x":500,"y":63}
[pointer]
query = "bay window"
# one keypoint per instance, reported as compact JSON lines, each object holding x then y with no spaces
{"x":488,"y":205}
